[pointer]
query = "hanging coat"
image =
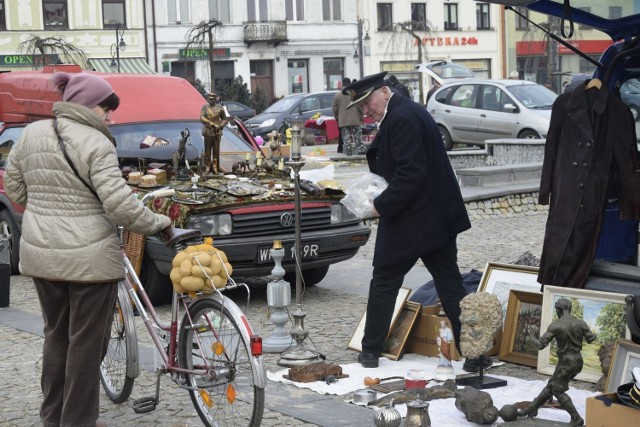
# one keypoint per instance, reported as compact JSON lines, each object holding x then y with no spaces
{"x":590,"y":155}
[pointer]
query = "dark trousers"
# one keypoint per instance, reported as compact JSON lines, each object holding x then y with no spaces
{"x":77,"y":319}
{"x":387,"y":281}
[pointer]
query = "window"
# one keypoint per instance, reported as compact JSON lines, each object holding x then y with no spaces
{"x":521,"y":23}
{"x":113,"y":13}
{"x":419,"y":17}
{"x":55,"y":14}
{"x":3,"y":20}
{"x":385,"y":18}
{"x":333,"y":74}
{"x":331,"y":10}
{"x":178,"y":11}
{"x":219,"y":9}
{"x":257,"y":10}
{"x":615,"y":12}
{"x":294,"y":10}
{"x":483,"y":17}
{"x":465,"y":96}
{"x":451,"y":16}
{"x":298,"y":76}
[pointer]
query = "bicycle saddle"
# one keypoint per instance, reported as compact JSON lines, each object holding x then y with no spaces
{"x":170,"y":236}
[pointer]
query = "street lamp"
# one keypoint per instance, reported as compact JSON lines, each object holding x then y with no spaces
{"x":356,"y":48}
{"x":364,"y":44}
{"x":118,"y":46}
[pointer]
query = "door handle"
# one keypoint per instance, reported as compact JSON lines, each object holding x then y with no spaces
{"x":483,"y":115}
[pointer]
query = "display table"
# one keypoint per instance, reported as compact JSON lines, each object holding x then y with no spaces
{"x":328,"y":127}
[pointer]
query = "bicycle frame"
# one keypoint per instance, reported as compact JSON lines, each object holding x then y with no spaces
{"x":169,"y":358}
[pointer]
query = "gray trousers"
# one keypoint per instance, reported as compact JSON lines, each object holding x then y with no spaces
{"x":77,"y":324}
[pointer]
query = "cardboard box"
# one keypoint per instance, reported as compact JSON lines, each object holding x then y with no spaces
{"x":423,"y":336}
{"x":284,"y":150}
{"x":607,"y":411}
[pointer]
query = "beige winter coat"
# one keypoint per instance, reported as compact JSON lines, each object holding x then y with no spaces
{"x":350,"y":117}
{"x":67,"y":234}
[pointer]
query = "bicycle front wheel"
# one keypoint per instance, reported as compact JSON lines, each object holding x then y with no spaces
{"x":120,"y":365}
{"x":223,"y":391}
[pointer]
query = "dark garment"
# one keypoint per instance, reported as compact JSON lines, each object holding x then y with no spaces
{"x":77,"y":319}
{"x":387,"y":281}
{"x":427,"y":295}
{"x":422,"y":208}
{"x":590,"y":155}
{"x":401,"y":89}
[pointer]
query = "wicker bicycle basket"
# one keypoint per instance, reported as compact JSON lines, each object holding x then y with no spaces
{"x":134,"y":248}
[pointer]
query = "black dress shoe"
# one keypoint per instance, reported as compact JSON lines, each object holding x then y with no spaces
{"x":473,"y":365}
{"x":368,"y":360}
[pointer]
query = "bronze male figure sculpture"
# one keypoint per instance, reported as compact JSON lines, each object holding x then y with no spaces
{"x":214,"y":119}
{"x":569,"y":332}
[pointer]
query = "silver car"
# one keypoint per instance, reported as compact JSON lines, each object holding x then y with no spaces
{"x":473,"y":111}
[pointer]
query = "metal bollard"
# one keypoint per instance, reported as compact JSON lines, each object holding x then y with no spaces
{"x":5,"y":273}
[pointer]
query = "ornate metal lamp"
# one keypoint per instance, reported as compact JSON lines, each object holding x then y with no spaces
{"x":298,"y":355}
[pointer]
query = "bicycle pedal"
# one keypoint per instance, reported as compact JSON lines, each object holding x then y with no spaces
{"x":144,"y":405}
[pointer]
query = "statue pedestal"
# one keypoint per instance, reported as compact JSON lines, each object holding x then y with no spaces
{"x":481,"y":382}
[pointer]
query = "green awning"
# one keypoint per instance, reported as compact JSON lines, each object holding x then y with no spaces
{"x":127,"y":65}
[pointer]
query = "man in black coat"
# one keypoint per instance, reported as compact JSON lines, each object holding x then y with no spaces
{"x":421,"y":211}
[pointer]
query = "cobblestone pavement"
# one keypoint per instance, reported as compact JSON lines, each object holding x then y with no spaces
{"x":331,"y":318}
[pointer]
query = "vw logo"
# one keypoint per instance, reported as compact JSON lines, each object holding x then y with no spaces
{"x":286,"y":219}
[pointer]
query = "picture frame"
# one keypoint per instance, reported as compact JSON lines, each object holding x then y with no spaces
{"x":524,"y":312}
{"x":596,"y":307}
{"x":398,"y":335}
{"x":498,"y":279}
{"x":625,"y":357}
{"x":356,"y":339}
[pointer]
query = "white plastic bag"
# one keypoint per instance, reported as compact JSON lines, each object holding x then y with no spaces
{"x":361,"y":192}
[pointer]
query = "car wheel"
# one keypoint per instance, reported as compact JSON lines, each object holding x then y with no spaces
{"x":310,"y":277}
{"x":529,"y":134}
{"x":635,"y":111}
{"x":157,"y":286}
{"x":446,"y":138}
{"x":9,"y":230}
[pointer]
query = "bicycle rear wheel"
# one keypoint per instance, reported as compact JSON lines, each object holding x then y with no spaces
{"x":224,"y":393}
{"x":119,"y":366}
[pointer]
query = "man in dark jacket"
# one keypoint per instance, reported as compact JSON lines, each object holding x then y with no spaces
{"x":397,"y":87}
{"x":421,"y":211}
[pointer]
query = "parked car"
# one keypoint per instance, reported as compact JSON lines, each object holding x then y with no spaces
{"x":473,"y":111}
{"x":239,"y":110}
{"x":296,"y":108}
{"x":630,"y":95}
{"x":160,"y":108}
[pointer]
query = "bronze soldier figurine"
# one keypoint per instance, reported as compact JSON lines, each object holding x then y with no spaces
{"x":214,"y":119}
{"x":568,"y":332}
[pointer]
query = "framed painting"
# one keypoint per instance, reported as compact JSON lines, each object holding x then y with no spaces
{"x":500,"y":279}
{"x":524,"y":311}
{"x":603,"y":312}
{"x":626,"y":356}
{"x":356,"y":339}
{"x":398,"y":335}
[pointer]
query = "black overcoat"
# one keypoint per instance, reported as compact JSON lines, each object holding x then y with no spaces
{"x":590,"y":155}
{"x":422,"y":208}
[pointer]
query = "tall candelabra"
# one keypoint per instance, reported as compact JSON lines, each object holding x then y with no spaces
{"x":298,"y":355}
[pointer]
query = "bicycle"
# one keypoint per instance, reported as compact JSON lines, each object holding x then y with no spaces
{"x":212,"y":353}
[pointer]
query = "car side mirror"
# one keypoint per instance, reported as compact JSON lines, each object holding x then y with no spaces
{"x":509,"y":107}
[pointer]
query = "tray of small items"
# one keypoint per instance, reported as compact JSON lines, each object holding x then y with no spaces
{"x":241,"y":188}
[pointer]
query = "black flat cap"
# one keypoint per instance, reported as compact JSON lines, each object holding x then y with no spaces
{"x":364,"y":87}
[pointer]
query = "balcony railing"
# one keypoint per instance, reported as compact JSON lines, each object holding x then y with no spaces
{"x":265,"y":31}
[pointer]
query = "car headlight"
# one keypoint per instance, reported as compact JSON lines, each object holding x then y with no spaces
{"x":340,"y":214}
{"x":268,"y":122}
{"x":211,"y":225}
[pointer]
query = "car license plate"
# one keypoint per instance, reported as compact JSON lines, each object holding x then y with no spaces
{"x":308,"y":250}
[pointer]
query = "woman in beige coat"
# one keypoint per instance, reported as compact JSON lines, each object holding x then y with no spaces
{"x":69,"y":244}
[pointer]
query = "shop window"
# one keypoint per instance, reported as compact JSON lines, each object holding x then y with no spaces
{"x":331,"y":10}
{"x":521,"y":22}
{"x":333,"y":73}
{"x":55,"y":14}
{"x":483,"y":16}
{"x":178,"y":11}
{"x":219,"y":9}
{"x":451,"y":16}
{"x":419,"y":17}
{"x":3,"y":21}
{"x":113,"y":13}
{"x":298,"y":76}
{"x":385,"y":18}
{"x":294,"y":10}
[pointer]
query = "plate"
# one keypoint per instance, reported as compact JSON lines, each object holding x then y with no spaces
{"x":152,"y":187}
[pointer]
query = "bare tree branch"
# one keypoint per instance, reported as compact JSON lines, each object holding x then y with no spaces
{"x":48,"y":46}
{"x":203,"y":36}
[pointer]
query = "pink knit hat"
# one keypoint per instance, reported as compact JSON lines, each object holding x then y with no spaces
{"x":83,"y":88}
